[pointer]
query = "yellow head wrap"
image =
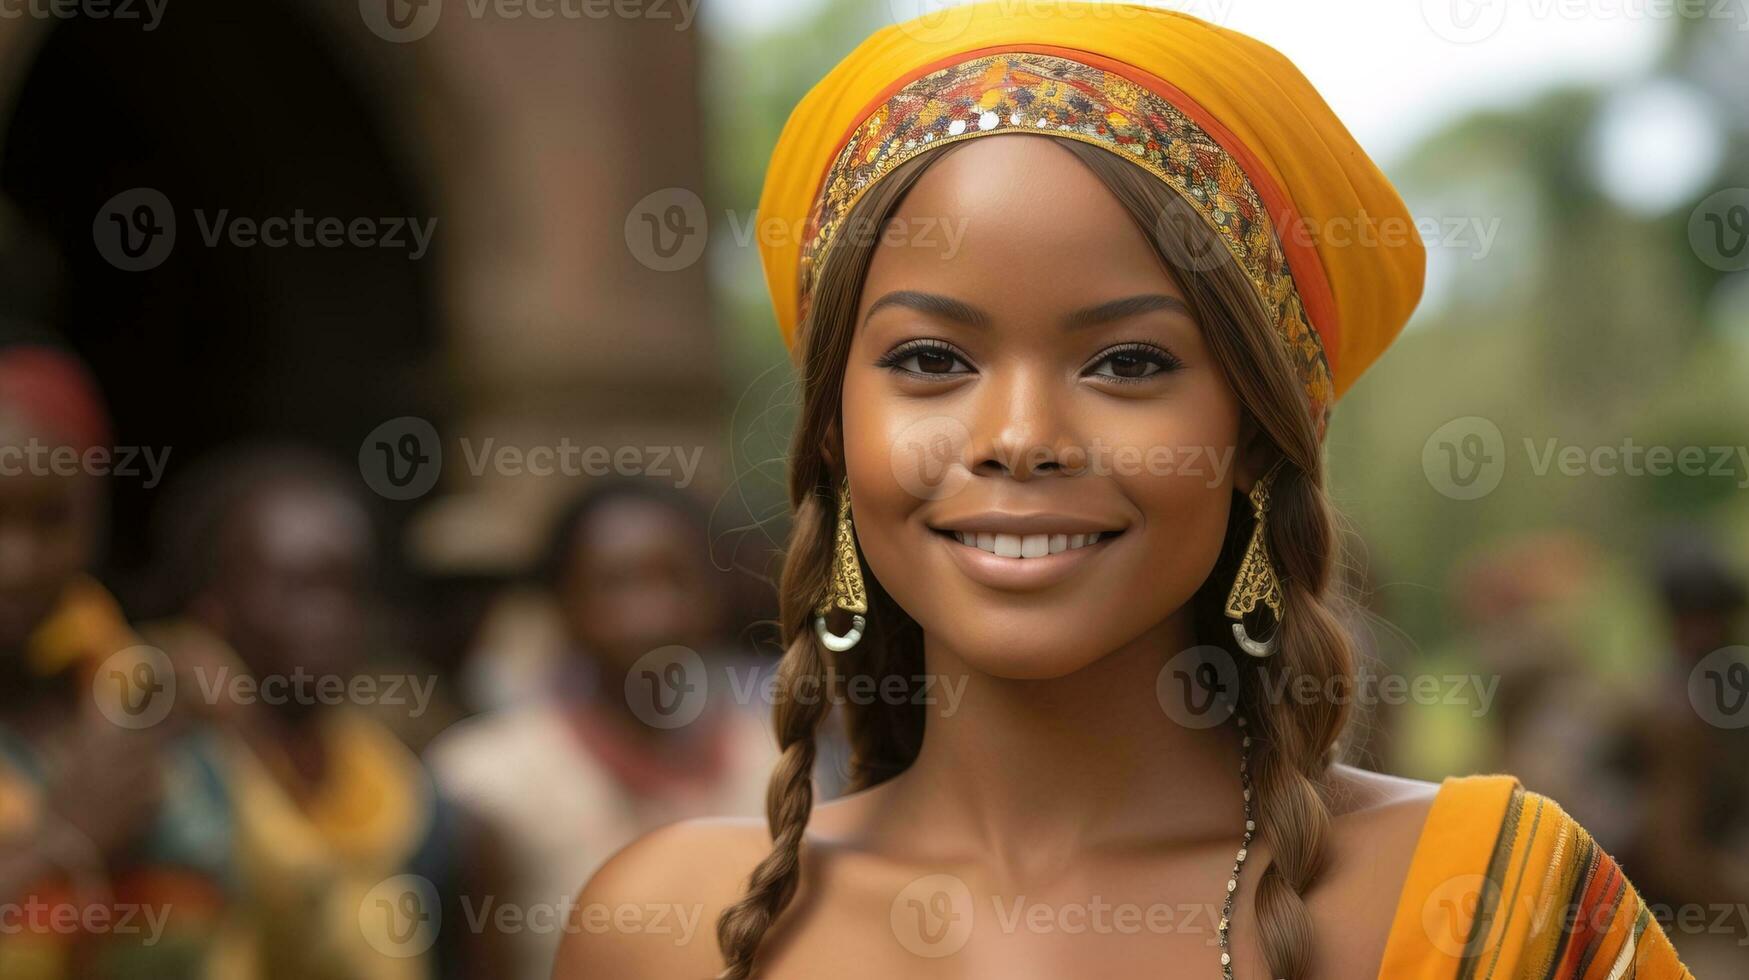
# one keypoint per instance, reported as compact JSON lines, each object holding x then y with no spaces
{"x":1226,"y":121}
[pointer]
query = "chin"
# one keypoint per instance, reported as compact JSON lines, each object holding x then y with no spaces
{"x":1037,"y":642}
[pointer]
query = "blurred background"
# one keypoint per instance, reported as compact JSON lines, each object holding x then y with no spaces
{"x":430,"y":346}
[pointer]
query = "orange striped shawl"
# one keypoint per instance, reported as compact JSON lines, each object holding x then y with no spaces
{"x":1505,"y":885}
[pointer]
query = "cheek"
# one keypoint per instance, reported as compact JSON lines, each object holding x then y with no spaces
{"x":874,"y":429}
{"x":1179,"y":475}
{"x":1184,"y":525}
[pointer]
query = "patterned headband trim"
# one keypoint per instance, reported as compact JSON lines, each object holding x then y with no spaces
{"x":1036,"y":92}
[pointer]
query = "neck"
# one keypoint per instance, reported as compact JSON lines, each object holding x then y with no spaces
{"x":1031,"y":773}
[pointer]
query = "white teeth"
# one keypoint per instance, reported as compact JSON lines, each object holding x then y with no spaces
{"x":1026,"y":545}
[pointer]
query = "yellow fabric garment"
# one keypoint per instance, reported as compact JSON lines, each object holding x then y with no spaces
{"x":1504,"y":884}
{"x":315,"y":867}
{"x":84,"y":628}
{"x":1357,"y":262}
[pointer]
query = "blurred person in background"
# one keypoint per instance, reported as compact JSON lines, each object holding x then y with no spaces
{"x":1689,"y":744}
{"x":112,"y":813}
{"x":1551,"y":716}
{"x":348,"y":850}
{"x":625,"y":738}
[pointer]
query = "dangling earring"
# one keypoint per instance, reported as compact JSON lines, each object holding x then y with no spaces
{"x":846,"y":591}
{"x":1256,"y":581}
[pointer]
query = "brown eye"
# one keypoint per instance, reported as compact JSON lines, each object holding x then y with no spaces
{"x":1133,"y":363}
{"x":934,"y":362}
{"x":931,"y":359}
{"x":1131,"y":366}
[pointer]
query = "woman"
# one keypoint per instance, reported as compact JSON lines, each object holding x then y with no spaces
{"x":1065,"y":452}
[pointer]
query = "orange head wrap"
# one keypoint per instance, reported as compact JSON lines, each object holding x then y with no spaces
{"x":1226,"y":121}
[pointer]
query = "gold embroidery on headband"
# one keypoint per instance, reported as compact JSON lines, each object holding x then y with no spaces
{"x":1043,"y":93}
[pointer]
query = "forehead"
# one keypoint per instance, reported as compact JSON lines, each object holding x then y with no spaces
{"x":628,"y":527}
{"x":1018,"y":218}
{"x":299,"y":524}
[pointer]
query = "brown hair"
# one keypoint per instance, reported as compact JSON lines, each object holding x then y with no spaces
{"x":1294,"y":743}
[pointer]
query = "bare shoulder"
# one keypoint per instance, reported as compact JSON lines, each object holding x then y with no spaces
{"x":1366,"y":795}
{"x":1375,"y":827}
{"x":651,"y":910}
{"x":1376,"y":822}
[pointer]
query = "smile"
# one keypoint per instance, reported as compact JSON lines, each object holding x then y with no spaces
{"x":1026,"y":545}
{"x":1026,"y":555}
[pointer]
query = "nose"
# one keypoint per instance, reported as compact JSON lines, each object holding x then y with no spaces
{"x":1018,"y":426}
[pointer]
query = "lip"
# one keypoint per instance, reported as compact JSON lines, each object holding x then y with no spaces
{"x":1020,"y":574}
{"x":1037,"y":522}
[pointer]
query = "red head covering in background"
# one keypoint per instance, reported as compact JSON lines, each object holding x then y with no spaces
{"x":54,"y":393}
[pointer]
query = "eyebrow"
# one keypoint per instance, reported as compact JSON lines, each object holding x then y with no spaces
{"x":1128,"y":306}
{"x":961,"y":312}
{"x":932,"y":303}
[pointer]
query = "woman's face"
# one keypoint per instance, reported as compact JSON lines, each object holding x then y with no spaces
{"x":1026,"y":374}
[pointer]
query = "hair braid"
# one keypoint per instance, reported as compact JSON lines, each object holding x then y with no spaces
{"x":1296,"y":736}
{"x":879,"y":742}
{"x":789,"y":799}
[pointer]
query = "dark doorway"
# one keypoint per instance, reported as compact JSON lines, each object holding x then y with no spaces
{"x":230,"y":110}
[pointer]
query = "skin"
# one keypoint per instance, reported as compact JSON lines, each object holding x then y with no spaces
{"x":1058,"y":781}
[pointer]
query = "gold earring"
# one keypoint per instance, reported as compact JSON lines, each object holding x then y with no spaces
{"x":1256,"y":581}
{"x":846,"y":590}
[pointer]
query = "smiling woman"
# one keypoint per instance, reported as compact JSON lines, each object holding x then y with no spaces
{"x":1075,"y":462}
